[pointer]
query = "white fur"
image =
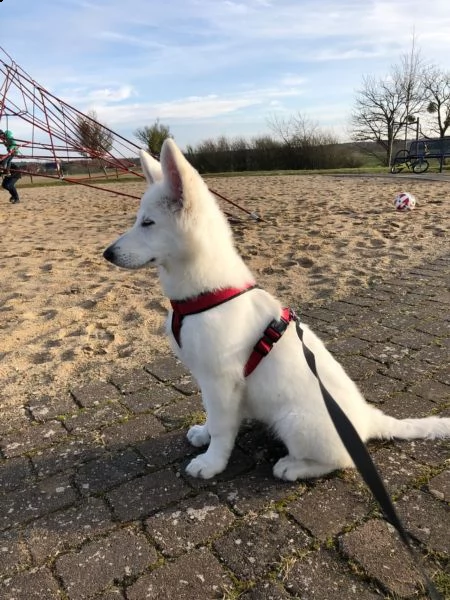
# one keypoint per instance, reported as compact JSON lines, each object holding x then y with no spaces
{"x":180,"y":229}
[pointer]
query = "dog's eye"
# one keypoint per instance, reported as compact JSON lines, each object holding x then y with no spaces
{"x":147,"y":223}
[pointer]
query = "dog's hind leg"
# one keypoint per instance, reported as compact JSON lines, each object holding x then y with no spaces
{"x":290,"y":468}
{"x":222,"y":402}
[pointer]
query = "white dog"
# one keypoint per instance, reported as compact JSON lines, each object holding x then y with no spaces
{"x":181,"y":230}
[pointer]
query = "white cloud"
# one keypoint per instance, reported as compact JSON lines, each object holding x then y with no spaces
{"x":131,"y":40}
{"x":193,"y":107}
{"x":236,"y":8}
{"x":111,"y":95}
{"x":291,"y":79}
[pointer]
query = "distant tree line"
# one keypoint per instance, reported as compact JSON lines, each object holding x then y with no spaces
{"x":266,"y":153}
{"x":297,"y":144}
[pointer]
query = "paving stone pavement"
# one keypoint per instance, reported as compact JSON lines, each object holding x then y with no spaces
{"x":95,"y":503}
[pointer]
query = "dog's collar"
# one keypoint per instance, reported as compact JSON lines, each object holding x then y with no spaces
{"x":202,"y":302}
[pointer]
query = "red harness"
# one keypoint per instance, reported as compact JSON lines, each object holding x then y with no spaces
{"x":193,"y":306}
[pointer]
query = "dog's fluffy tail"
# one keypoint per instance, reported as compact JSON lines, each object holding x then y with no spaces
{"x":386,"y":427}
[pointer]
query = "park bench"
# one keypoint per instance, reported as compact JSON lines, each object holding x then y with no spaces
{"x":416,"y":157}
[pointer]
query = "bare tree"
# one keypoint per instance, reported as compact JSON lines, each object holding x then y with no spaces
{"x":282,"y":127}
{"x":296,"y":130}
{"x":153,"y":136}
{"x":306,"y":144}
{"x":387,"y":106}
{"x":94,"y":139}
{"x":437,"y":92}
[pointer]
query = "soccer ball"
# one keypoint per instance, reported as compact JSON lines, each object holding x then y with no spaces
{"x":404,"y":201}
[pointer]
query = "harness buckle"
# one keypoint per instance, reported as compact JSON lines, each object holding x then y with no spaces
{"x":275,"y":330}
{"x":264,"y":346}
{"x":272,"y":333}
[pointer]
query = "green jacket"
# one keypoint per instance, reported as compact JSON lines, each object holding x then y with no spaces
{"x":9,"y":141}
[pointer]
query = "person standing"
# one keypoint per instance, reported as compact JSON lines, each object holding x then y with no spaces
{"x":9,"y":183}
{"x":7,"y":139}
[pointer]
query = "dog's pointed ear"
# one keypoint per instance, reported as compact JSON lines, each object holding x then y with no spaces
{"x":150,"y":167}
{"x":179,"y":175}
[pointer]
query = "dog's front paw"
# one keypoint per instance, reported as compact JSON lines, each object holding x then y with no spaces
{"x":203,"y":467}
{"x":288,"y":469}
{"x":198,"y":436}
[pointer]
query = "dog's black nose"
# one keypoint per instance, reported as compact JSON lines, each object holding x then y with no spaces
{"x":109,"y":254}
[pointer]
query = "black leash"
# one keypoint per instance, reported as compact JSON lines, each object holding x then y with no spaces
{"x":364,"y":463}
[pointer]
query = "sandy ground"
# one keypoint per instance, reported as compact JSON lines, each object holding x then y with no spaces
{"x":67,"y":315}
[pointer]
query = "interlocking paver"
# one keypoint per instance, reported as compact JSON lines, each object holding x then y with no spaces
{"x":321,"y":575}
{"x":381,"y":555}
{"x":429,"y":452}
{"x":167,"y":368}
{"x":374,"y":333}
{"x":430,"y":389}
{"x":95,"y":503}
{"x":439,"y":486}
{"x":32,"y":438}
{"x":397,"y":469}
{"x":30,"y":585}
{"x":45,"y":408}
{"x":14,"y":472}
{"x":427,"y":519}
{"x":434,"y":354}
{"x":266,"y":591}
{"x":412,"y":339}
{"x":162,"y":450}
{"x":187,"y":385}
{"x":67,"y":455}
{"x":197,"y":575}
{"x":433,"y":327}
{"x":413,"y":369}
{"x":377,"y":388}
{"x":145,"y":495}
{"x":64,"y":529}
{"x":443,"y":374}
{"x":89,"y":419}
{"x":256,"y":490}
{"x":343,"y":308}
{"x":254,"y":548}
{"x":112,"y":594}
{"x":98,"y":564}
{"x":180,"y":413}
{"x":403,"y":320}
{"x":13,"y":552}
{"x":348,"y":345}
{"x":155,"y":396}
{"x":95,"y":393}
{"x":405,"y":405}
{"x":13,"y":419}
{"x":108,"y":471}
{"x":359,"y":367}
{"x":192,"y":522}
{"x":133,"y":381}
{"x":36,"y":500}
{"x":385,"y":352}
{"x":329,"y":507}
{"x":131,"y":431}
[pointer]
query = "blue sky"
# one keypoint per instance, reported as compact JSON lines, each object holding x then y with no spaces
{"x":213,"y":67}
